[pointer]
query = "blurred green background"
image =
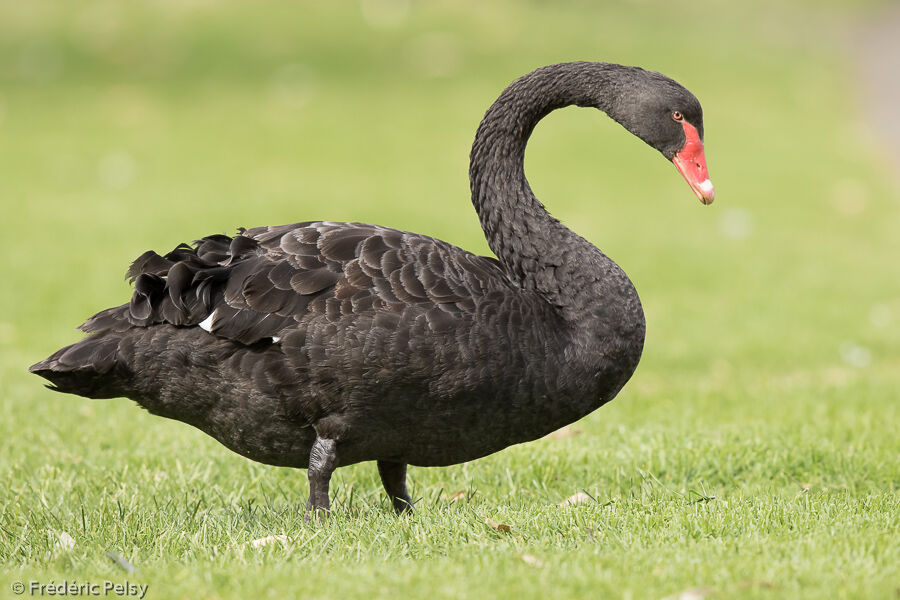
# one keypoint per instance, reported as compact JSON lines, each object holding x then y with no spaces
{"x":771,"y":369}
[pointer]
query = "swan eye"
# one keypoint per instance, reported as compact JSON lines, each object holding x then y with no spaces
{"x":677,"y":116}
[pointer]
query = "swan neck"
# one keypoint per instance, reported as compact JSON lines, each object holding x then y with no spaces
{"x":528,"y":241}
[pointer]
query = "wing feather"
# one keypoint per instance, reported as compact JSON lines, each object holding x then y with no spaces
{"x":266,"y":281}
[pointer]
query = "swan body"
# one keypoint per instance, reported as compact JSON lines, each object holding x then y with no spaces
{"x":322,"y":344}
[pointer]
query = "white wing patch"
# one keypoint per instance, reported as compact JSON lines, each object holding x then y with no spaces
{"x":207,"y":323}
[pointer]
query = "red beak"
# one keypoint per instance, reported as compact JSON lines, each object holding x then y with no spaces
{"x":691,"y":163}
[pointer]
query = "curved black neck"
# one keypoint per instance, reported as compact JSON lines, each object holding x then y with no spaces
{"x":538,"y":251}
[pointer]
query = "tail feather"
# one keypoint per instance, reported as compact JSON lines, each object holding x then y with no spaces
{"x":85,"y":368}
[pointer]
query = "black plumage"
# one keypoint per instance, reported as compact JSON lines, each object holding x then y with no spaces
{"x":322,"y":344}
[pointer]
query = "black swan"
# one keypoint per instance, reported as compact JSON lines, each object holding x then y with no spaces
{"x":322,"y":344}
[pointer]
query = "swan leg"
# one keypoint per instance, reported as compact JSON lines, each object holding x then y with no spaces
{"x":323,"y":460}
{"x":393,"y":477}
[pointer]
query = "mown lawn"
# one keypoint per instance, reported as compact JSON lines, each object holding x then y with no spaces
{"x":755,"y":453}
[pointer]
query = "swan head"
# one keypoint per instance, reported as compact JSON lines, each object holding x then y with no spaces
{"x":667,"y":117}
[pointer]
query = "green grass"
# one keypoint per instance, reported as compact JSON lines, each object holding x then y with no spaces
{"x":755,"y":453}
